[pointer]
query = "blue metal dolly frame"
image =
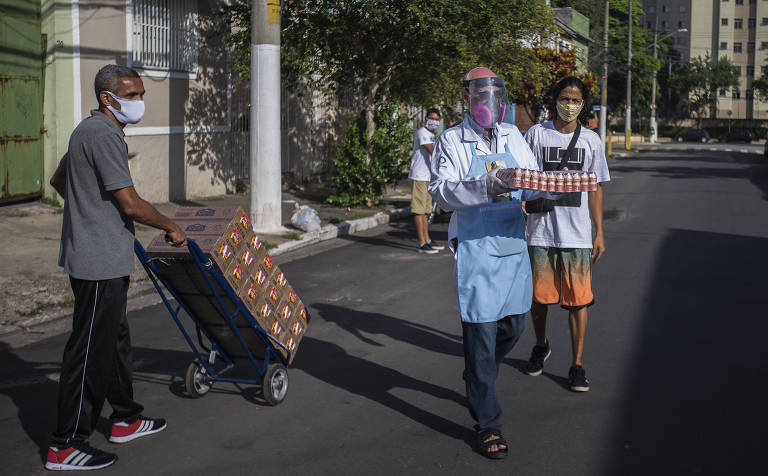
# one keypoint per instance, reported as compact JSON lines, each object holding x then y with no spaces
{"x":201,"y":373}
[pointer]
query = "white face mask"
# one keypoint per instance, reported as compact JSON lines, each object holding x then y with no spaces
{"x":432,"y":124}
{"x":131,"y":111}
{"x":569,"y":112}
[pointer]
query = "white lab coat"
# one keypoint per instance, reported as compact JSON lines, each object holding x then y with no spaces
{"x":451,"y":188}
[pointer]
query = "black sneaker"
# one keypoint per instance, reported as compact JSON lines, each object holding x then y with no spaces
{"x":536,"y":363}
{"x":435,"y":245}
{"x":426,"y":248}
{"x":577,"y":379}
{"x":124,"y":432}
{"x":77,"y":456}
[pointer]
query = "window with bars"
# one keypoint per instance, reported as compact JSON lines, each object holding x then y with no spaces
{"x":165,"y":34}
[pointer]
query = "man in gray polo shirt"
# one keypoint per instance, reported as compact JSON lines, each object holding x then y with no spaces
{"x":96,"y":251}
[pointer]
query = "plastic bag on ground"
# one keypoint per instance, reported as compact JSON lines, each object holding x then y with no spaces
{"x":305,"y":218}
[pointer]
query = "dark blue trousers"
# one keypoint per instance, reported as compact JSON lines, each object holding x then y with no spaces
{"x":485,"y":346}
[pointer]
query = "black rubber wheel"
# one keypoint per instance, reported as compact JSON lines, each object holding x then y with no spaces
{"x":196,"y":381}
{"x":274,"y":386}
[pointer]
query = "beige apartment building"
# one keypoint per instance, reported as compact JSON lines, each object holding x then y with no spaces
{"x":736,"y":29}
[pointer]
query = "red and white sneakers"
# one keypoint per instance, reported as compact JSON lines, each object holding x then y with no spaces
{"x":124,"y":432}
{"x":77,"y":456}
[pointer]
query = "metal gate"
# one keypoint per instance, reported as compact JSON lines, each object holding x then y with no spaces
{"x":21,"y":100}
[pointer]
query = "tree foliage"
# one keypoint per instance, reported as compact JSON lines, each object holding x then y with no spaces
{"x":533,"y":89}
{"x":700,"y":79}
{"x":359,"y":181}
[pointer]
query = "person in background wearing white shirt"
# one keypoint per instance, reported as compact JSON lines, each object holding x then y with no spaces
{"x":561,"y":243}
{"x":421,"y":202}
{"x":487,"y":235}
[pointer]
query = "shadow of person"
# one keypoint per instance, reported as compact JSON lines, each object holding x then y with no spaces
{"x":32,"y":387}
{"x":332,"y":364}
{"x":359,"y":322}
{"x":520,"y":365}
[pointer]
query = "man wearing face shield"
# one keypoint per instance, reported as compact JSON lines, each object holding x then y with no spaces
{"x":96,"y":252}
{"x":487,"y":235}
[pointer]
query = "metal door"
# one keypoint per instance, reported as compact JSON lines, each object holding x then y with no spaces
{"x":21,"y":100}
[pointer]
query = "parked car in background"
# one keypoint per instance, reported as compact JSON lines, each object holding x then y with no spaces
{"x":693,"y":135}
{"x":737,"y":135}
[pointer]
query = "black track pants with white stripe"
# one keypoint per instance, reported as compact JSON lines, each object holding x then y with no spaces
{"x":97,"y":361}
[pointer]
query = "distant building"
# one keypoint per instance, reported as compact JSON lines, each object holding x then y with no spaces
{"x":736,"y":29}
{"x":575,"y":35}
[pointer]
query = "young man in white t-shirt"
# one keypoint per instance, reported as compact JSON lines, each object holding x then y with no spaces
{"x":561,"y":241}
{"x":421,"y":201}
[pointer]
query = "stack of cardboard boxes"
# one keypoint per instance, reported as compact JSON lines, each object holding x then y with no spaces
{"x":226,"y":236}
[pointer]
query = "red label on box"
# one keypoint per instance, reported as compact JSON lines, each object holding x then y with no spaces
{"x":255,"y":243}
{"x":225,"y":251}
{"x":253,"y":292}
{"x":268,"y":262}
{"x":290,"y":343}
{"x":265,"y":310}
{"x":247,"y":258}
{"x":292,"y":296}
{"x":244,"y":221}
{"x":285,"y":311}
{"x":280,"y":279}
{"x":236,"y":237}
{"x":260,"y":276}
{"x":296,"y":328}
{"x":237,"y":272}
{"x":274,"y":295}
{"x":303,"y":313}
{"x":276,"y":329}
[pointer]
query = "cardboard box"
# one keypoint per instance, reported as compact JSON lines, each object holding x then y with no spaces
{"x":226,"y":237}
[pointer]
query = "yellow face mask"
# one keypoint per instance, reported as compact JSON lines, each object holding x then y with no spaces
{"x":569,"y":112}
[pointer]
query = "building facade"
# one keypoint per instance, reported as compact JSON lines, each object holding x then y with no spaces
{"x":574,"y":36}
{"x":194,"y":138}
{"x":736,"y":29}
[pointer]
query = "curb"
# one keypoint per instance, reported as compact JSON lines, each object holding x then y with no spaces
{"x":345,"y":228}
{"x":309,"y":238}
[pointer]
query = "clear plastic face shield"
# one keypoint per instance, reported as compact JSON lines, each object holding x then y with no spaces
{"x":487,"y":100}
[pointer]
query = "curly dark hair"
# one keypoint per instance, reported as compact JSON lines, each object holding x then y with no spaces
{"x":567,"y":82}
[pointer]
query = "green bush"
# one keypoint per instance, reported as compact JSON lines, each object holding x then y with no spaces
{"x":359,"y":184}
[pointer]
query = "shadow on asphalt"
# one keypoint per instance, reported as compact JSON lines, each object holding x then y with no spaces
{"x":402,"y":235}
{"x":756,"y":170}
{"x":34,"y":395}
{"x":418,"y":335}
{"x":520,"y":365}
{"x":697,"y":375}
{"x":330,"y":363}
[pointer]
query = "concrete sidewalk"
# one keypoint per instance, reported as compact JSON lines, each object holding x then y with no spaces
{"x":36,"y":290}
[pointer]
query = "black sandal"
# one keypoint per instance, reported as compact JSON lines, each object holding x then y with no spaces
{"x":485,"y":441}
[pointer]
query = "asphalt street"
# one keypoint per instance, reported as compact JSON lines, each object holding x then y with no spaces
{"x":675,"y":354}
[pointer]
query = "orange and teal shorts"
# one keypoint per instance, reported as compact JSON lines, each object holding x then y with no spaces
{"x":562,"y":276}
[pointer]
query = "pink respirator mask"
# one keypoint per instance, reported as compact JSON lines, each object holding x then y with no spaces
{"x":487,"y":100}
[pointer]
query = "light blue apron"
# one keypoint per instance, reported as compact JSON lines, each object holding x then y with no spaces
{"x":492,"y":268}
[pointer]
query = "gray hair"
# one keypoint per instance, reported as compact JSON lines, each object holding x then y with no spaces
{"x":108,"y":78}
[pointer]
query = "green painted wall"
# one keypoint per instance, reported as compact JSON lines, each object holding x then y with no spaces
{"x":21,"y":112}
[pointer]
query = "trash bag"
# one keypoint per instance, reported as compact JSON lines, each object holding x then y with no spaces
{"x":305,"y":218}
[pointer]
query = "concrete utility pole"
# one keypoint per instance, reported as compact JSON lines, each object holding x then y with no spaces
{"x":604,"y":85}
{"x":265,"y":183}
{"x":628,"y":123}
{"x":653,"y":84}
